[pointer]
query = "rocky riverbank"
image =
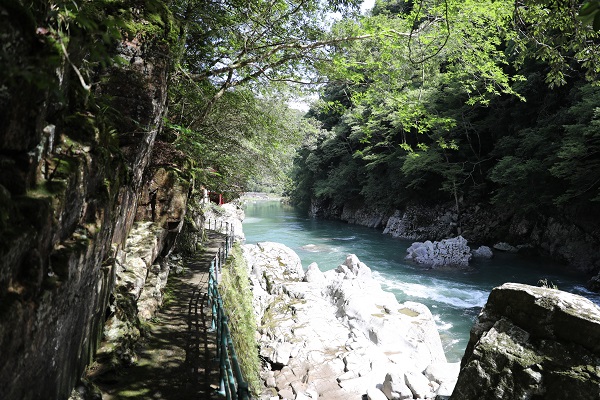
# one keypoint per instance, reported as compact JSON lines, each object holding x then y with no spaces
{"x":338,"y":335}
{"x":532,"y":342}
{"x":573,"y":240}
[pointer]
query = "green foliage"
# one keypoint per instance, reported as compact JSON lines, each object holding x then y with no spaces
{"x":590,"y":13}
{"x":237,"y":298}
{"x":228,"y":93}
{"x":243,"y":139}
{"x":578,"y":162}
{"x":552,"y":32}
{"x":237,"y":42}
{"x":495,"y":111}
{"x":554,"y":161}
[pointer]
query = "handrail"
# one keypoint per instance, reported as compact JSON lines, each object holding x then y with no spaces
{"x":229,"y":231}
{"x":232,"y":383}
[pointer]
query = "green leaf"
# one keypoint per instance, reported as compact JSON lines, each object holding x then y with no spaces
{"x":596,"y":24}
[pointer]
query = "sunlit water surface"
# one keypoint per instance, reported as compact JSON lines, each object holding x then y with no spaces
{"x":454,"y":297}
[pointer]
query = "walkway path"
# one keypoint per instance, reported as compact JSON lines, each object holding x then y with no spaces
{"x":175,"y":357}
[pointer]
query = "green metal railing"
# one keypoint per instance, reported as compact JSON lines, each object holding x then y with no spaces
{"x":217,"y":226}
{"x":232,"y":383}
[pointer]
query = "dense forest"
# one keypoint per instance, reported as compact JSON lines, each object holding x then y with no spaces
{"x":429,"y":102}
{"x":419,"y":101}
{"x":461,"y":102}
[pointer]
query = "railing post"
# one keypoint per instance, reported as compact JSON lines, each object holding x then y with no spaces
{"x":222,"y":258}
{"x":212,"y":296}
{"x":242,"y":390}
{"x":227,"y":345}
{"x":218,"y":256}
{"x":222,"y":369}
{"x":219,"y":326}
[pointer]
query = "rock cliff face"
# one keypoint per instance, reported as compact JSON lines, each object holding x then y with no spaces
{"x":573,"y":240}
{"x":69,"y":190}
{"x":532,"y":342}
{"x":351,"y":213}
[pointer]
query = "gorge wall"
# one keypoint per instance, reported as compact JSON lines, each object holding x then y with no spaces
{"x":571,"y":240}
{"x":70,"y":187}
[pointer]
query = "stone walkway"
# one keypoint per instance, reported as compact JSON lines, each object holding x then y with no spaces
{"x":175,"y":358}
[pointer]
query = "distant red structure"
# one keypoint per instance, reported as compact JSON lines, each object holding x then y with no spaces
{"x":216,"y":198}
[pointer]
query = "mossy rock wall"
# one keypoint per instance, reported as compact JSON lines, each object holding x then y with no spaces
{"x":70,"y":182}
{"x":532,"y":343}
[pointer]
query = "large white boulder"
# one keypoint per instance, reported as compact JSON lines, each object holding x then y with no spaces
{"x":394,"y":387}
{"x":313,"y":274}
{"x":503,"y":246}
{"x":442,"y":372}
{"x":226,"y":218}
{"x":446,"y":253}
{"x":337,"y":333}
{"x":375,"y":394}
{"x":418,"y":384}
{"x":404,"y":331}
{"x":272,"y":264}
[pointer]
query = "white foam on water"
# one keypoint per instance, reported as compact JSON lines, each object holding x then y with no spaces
{"x":313,"y":248}
{"x":585,"y":292}
{"x":441,"y":325}
{"x":451,"y":293}
{"x":450,"y":346}
{"x":252,"y":220}
{"x":450,"y":343}
{"x":319,"y":248}
{"x":344,"y":238}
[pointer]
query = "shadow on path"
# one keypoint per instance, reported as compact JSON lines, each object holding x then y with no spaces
{"x":175,"y":358}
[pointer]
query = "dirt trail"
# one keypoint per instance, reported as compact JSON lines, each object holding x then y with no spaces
{"x":175,"y":358}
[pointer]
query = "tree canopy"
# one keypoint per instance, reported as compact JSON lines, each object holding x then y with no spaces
{"x":408,"y":90}
{"x":416,"y":96}
{"x":463,"y":101}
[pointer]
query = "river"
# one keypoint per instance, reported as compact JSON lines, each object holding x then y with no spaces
{"x":454,"y":297}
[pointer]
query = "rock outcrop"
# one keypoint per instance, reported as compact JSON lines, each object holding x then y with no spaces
{"x":421,"y":223}
{"x":482,"y":252}
{"x":532,"y":342}
{"x":364,"y":216}
{"x":507,"y":247}
{"x":337,"y":334}
{"x":594,"y":283}
{"x":137,"y":295}
{"x":69,"y":189}
{"x":352,"y":213}
{"x":446,"y":253}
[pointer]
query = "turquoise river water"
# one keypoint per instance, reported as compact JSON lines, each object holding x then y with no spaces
{"x":454,"y":297}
